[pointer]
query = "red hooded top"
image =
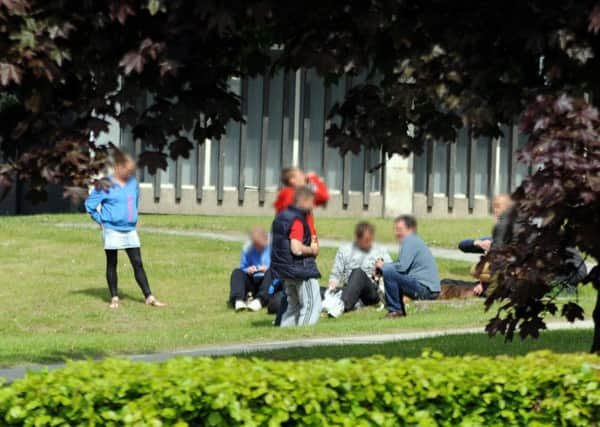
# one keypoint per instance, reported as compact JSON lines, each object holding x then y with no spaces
{"x":285,"y":197}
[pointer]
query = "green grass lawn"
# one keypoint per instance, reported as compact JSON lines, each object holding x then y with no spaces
{"x":576,"y":341}
{"x":55,"y":298}
{"x":445,"y":233}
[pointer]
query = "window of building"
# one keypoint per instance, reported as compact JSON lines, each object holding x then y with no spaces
{"x":273,"y":161}
{"x":440,"y":174}
{"x":335,"y":162}
{"x":504,"y":160}
{"x":357,"y":167}
{"x":462,"y":162}
{"x":482,"y":165}
{"x":189,"y":166}
{"x":255,"y":99}
{"x":420,"y":171}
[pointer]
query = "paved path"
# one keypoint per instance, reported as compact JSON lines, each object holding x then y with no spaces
{"x":453,"y":254}
{"x":12,"y":374}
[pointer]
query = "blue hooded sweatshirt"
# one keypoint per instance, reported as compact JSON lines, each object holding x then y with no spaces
{"x":118,"y":205}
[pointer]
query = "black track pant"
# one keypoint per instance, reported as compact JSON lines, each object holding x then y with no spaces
{"x":241,"y":283}
{"x":135,"y":257}
{"x":359,"y":286}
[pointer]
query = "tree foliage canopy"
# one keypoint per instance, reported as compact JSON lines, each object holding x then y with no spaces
{"x":434,"y":66}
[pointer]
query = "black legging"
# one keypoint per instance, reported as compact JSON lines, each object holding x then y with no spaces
{"x":135,"y":257}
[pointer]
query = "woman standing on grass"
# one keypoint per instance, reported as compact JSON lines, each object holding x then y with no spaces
{"x":116,"y":210}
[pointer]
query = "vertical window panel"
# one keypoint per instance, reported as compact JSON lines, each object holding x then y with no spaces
{"x":504,"y":169}
{"x":420,"y":171}
{"x":168,"y":176}
{"x":316,"y":138}
{"x":335,"y":162}
{"x":462,"y":161}
{"x":273,"y":161}
{"x":214,"y":162}
{"x":231,"y":165}
{"x":357,"y":168}
{"x":189,"y":166}
{"x":375,"y":159}
{"x":440,"y":173}
{"x":251,"y":169}
{"x":482,"y":168}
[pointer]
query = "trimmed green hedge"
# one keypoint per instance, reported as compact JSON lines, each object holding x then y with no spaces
{"x":539,"y":389}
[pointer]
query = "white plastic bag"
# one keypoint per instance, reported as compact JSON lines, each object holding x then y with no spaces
{"x":333,"y":304}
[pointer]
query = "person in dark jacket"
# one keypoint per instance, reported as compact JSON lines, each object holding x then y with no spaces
{"x":293,"y":260}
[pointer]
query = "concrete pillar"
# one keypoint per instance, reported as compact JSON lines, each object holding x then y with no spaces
{"x":398,"y":188}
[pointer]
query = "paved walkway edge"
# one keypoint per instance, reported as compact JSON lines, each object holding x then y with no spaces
{"x":453,"y":254}
{"x":12,"y":374}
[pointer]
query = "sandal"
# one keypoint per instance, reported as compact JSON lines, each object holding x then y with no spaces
{"x":114,"y":302}
{"x":154,"y":302}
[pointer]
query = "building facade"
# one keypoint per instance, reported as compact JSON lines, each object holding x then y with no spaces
{"x":286,"y":118}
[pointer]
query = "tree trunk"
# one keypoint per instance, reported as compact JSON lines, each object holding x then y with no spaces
{"x":596,"y":317}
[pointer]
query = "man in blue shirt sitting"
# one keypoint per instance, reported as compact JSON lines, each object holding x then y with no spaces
{"x":253,"y":276}
{"x":415,"y":273}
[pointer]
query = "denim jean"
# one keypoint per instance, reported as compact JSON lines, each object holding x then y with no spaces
{"x":399,"y":284}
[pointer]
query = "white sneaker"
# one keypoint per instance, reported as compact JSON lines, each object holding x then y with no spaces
{"x":254,"y":305}
{"x":240,"y":305}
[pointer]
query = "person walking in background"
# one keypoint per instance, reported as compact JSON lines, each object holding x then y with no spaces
{"x":415,"y":274}
{"x":253,"y":276}
{"x":293,"y":259}
{"x":353,"y":268}
{"x":115,"y":209}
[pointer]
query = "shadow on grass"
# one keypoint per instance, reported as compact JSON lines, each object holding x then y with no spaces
{"x":56,"y":357}
{"x":576,"y":341}
{"x":264,"y":323}
{"x":104,"y":295}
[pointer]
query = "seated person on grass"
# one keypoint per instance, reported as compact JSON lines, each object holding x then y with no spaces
{"x":354,"y":266}
{"x":415,"y":274}
{"x":479,"y":246}
{"x":452,"y":288}
{"x":253,"y":276}
{"x":505,"y":233}
{"x":502,"y":234}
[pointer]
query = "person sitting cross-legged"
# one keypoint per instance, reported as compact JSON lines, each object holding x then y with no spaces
{"x":253,"y":276}
{"x":354,"y":266}
{"x":500,"y":204}
{"x":415,"y":274}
